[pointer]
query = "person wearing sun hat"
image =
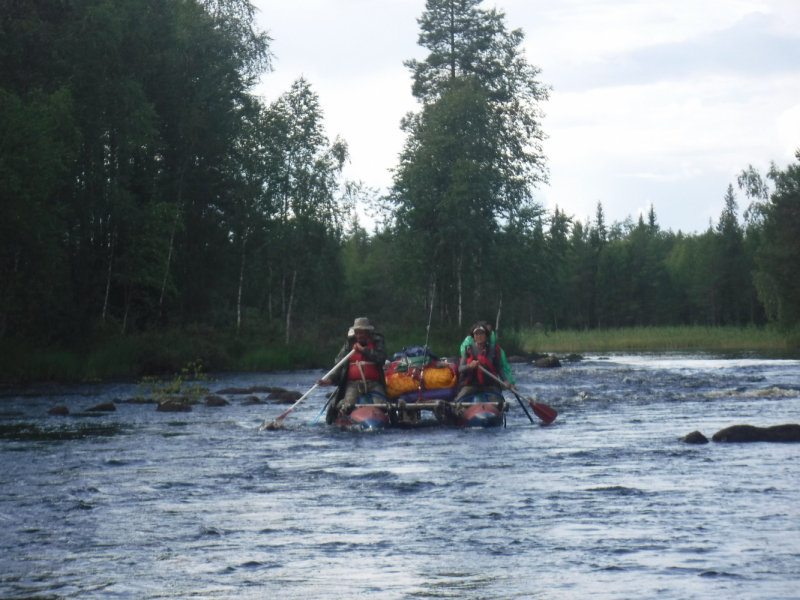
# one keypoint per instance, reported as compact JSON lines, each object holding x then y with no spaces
{"x":364,"y":372}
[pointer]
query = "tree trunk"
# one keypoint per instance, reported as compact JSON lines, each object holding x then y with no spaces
{"x":269,"y":294}
{"x":172,"y":235}
{"x":478,"y":280}
{"x":128,"y":295}
{"x":497,"y":320}
{"x":283,"y":293}
{"x":7,"y":294}
{"x":241,"y":285}
{"x":458,"y":285}
{"x":289,"y":307}
{"x":108,"y":278}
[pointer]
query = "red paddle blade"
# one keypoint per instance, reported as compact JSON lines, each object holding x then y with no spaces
{"x":544,"y":412}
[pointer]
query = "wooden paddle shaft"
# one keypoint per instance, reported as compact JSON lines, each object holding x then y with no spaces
{"x":265,"y":425}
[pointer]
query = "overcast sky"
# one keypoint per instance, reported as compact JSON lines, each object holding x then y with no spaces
{"x":652,"y":101}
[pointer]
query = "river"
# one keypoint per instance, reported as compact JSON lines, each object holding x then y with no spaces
{"x":606,"y":502}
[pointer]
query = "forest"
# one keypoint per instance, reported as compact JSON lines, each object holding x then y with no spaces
{"x":145,"y":189}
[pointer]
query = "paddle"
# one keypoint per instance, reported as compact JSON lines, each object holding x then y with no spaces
{"x":322,"y":411}
{"x":276,"y":424}
{"x":544,"y":412}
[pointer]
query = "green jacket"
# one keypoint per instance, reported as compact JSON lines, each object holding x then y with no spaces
{"x":503,"y":360}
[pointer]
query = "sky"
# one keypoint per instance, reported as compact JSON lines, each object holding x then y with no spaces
{"x":652,"y":102}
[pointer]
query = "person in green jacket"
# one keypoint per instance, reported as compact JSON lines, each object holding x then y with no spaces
{"x":492,"y":340}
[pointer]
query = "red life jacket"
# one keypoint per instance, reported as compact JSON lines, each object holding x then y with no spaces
{"x":485,"y":360}
{"x":359,"y":363}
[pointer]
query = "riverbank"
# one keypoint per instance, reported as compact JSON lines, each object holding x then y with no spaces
{"x":156,"y":354}
{"x":138,"y":355}
{"x":654,"y":339}
{"x":164,"y":354}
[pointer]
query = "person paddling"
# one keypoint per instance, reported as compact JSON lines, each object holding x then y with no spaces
{"x":493,"y":341}
{"x":363,"y":374}
{"x":480,"y":353}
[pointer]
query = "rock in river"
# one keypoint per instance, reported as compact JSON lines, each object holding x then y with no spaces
{"x":59,"y":410}
{"x":517,"y":359}
{"x":174,"y":405}
{"x":252,"y":400}
{"x":548,"y":362}
{"x":284,"y":396}
{"x":695,"y":438}
{"x":104,"y":407}
{"x":216,"y":401}
{"x":789,"y":432}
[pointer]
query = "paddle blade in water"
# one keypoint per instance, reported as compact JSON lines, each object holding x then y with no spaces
{"x":544,"y":412}
{"x":276,"y":424}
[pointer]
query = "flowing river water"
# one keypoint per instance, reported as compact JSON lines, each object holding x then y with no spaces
{"x":606,"y":502}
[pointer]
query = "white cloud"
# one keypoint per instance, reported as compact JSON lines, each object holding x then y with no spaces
{"x":660,"y":101}
{"x":788,"y":126}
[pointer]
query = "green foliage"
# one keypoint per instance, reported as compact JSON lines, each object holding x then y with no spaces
{"x":154,"y":210}
{"x":778,"y":255}
{"x":472,"y":154}
{"x":186,"y":386}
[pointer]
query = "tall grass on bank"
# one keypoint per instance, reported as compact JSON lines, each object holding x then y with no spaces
{"x":166,"y":353}
{"x":658,"y":339}
{"x":157,"y":354}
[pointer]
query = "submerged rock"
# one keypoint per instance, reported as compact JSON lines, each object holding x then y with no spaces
{"x":548,"y":362}
{"x":284,"y":396}
{"x":59,"y":410}
{"x":517,"y":359}
{"x":174,"y":405}
{"x":216,"y":401}
{"x":695,"y":438}
{"x":252,"y":400}
{"x":137,"y":400}
{"x":104,"y":407}
{"x":573,"y":357}
{"x":789,"y":432}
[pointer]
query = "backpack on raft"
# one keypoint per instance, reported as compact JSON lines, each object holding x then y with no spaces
{"x":414,"y":370}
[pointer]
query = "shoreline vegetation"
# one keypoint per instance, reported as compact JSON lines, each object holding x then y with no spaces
{"x":654,"y":339}
{"x":164,"y":354}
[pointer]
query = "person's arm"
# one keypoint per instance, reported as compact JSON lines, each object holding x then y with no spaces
{"x":463,"y":366}
{"x":377,"y":354}
{"x":506,"y":367}
{"x":501,"y":374}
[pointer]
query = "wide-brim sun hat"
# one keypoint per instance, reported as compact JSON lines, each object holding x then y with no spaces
{"x":363,"y":324}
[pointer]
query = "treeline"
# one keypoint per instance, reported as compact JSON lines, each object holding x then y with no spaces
{"x":143,"y":187}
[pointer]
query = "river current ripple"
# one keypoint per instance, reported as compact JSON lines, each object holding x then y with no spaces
{"x":606,"y":502}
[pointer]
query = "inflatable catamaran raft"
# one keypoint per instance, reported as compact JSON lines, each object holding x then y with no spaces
{"x":420,"y":391}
